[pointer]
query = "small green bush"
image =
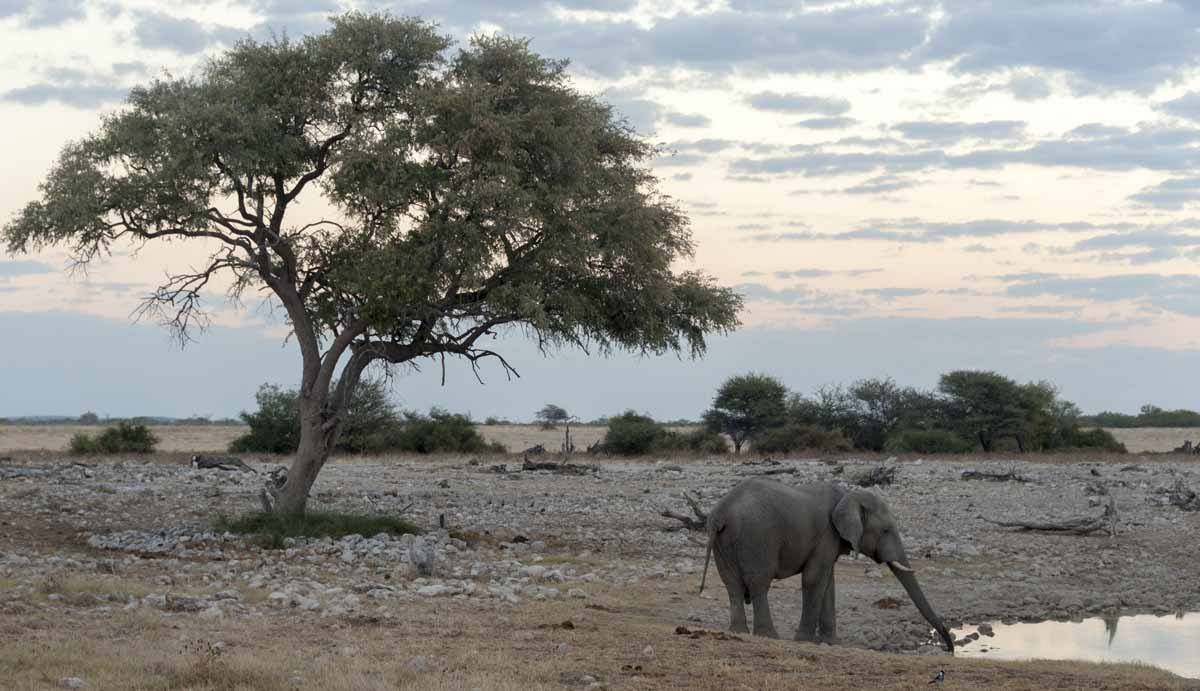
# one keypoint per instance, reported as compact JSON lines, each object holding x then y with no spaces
{"x":125,"y":437}
{"x":1092,"y":439}
{"x":438,"y":432}
{"x":632,"y":434}
{"x":274,"y":527}
{"x":799,"y":437}
{"x":928,"y":441}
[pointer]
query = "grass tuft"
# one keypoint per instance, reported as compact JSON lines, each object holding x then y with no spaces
{"x":275,"y":527}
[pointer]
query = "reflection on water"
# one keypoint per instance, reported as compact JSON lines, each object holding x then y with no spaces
{"x":1169,"y":642}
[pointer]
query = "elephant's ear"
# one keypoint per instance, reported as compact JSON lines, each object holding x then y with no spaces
{"x":847,"y":519}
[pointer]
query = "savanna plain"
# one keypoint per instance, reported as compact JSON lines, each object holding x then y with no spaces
{"x":114,"y":572}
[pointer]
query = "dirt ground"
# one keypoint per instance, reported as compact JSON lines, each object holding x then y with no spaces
{"x":69,"y":609}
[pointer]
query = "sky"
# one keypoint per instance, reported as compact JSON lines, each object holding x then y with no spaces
{"x":897,"y":188}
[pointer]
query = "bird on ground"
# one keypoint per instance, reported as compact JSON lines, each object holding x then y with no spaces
{"x":940,"y":676}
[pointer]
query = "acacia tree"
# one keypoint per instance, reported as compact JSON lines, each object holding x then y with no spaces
{"x":468,"y":193}
{"x":746,"y":405}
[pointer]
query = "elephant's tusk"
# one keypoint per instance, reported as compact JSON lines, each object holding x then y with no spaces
{"x":899,"y":567}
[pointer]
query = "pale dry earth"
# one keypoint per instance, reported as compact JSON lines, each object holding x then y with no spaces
{"x":120,"y":555}
{"x":1155,"y":439}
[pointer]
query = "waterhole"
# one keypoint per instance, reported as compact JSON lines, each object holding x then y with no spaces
{"x":1170,"y":642}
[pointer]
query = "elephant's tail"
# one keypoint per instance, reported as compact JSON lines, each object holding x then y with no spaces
{"x":713,"y":529}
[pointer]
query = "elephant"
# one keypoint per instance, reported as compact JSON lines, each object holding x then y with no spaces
{"x":763,"y":531}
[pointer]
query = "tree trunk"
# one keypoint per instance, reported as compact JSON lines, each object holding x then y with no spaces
{"x":316,"y":444}
{"x":985,"y":441}
{"x":737,"y":446}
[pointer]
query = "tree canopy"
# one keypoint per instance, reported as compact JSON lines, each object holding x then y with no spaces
{"x":468,"y":192}
{"x":745,"y":405}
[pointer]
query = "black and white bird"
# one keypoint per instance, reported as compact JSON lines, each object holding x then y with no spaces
{"x":940,"y":676}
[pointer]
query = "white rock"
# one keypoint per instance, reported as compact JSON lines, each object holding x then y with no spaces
{"x":72,"y":683}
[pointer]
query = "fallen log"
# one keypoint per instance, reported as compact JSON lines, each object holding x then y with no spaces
{"x":1010,"y":476}
{"x":1106,"y":522}
{"x":698,"y":523}
{"x":561,"y":468}
{"x":1179,"y":495}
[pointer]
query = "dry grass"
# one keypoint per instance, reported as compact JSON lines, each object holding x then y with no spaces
{"x":1155,"y":439}
{"x":525,"y":649}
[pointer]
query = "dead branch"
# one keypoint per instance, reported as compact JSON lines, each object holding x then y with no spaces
{"x":1010,"y":476}
{"x":699,"y":523}
{"x":204,"y":462}
{"x":561,"y":467}
{"x":1179,"y":495}
{"x":1106,"y":521}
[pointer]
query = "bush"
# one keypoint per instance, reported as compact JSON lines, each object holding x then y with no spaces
{"x":928,"y":441}
{"x":274,"y":427}
{"x":438,"y":432}
{"x":1092,"y":439}
{"x":631,"y":434}
{"x":799,"y":437}
{"x":700,"y":441}
{"x":125,"y":437}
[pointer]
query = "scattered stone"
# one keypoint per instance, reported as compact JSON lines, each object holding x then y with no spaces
{"x":417,"y":664}
{"x":72,"y":683}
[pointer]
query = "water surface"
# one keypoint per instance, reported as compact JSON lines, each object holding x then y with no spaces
{"x":1171,"y":642}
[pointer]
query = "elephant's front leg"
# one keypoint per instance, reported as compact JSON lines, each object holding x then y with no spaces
{"x":827,"y":622}
{"x":816,"y":579}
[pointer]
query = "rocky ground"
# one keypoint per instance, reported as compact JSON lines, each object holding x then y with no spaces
{"x":137,"y":535}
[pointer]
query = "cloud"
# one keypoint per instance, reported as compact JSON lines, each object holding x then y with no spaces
{"x":804,"y":300}
{"x":77,"y":95}
{"x":1145,"y":237}
{"x":180,"y":35}
{"x":1186,"y":106}
{"x":798,"y":103}
{"x":1158,"y":148}
{"x":803,"y":273}
{"x":1131,"y":46}
{"x":1172,"y":194}
{"x":881,"y":184}
{"x":949,"y":132}
{"x":1179,"y":293}
{"x":679,"y":160}
{"x":978,"y":248}
{"x":687,"y":120}
{"x":918,"y":230}
{"x":23,"y":267}
{"x":831,"y":123}
{"x":889,"y":294}
{"x":817,"y":41}
{"x":708,"y":146}
{"x":43,"y":14}
{"x":1028,"y":87}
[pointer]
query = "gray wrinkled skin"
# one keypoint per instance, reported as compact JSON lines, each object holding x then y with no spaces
{"x":762,"y":531}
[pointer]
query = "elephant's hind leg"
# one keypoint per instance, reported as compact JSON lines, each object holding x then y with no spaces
{"x":737,"y":608}
{"x":763,"y":625}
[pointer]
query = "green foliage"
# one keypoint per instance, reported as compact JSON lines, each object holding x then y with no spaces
{"x":796,"y":436}
{"x":1092,"y":439}
{"x":371,"y":425}
{"x":632,"y":434}
{"x":699,"y":441}
{"x":274,"y":427}
{"x":125,"y":437}
{"x":274,"y":526}
{"x":439,"y":432}
{"x":89,"y":418}
{"x":468,"y":190}
{"x":928,"y":441}
{"x":745,"y":405}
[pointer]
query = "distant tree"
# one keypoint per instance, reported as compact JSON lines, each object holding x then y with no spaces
{"x":746,"y":405}
{"x":985,"y":406}
{"x":550,"y":416}
{"x":632,"y":434}
{"x":470,"y":192}
{"x":89,"y":418}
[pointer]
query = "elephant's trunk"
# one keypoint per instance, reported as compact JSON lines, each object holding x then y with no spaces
{"x":909,"y":581}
